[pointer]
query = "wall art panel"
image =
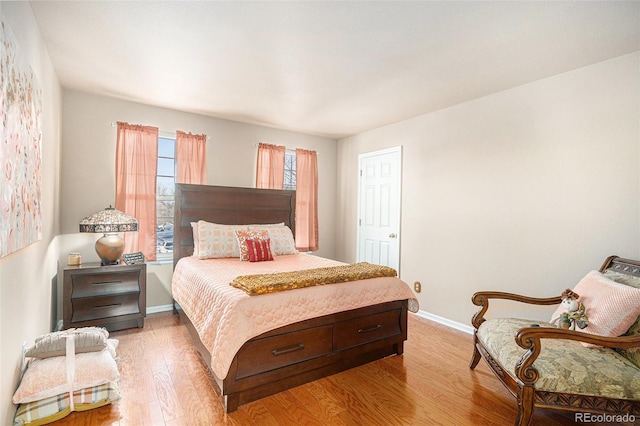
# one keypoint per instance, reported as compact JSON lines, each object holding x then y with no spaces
{"x":20,"y":148}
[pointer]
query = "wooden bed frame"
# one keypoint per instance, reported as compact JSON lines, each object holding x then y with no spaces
{"x":298,"y":353}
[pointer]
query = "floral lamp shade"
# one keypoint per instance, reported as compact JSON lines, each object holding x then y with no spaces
{"x":109,"y":222}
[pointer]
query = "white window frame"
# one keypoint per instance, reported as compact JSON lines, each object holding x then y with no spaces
{"x":166,"y":257}
{"x":291,"y":154}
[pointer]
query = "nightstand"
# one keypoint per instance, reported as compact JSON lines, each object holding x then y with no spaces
{"x":112,"y":296}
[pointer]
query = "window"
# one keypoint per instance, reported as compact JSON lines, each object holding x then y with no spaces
{"x":165,"y":195}
{"x":289,"y":170}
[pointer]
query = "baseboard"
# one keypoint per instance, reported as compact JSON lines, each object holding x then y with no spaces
{"x":161,"y":308}
{"x":445,"y":321}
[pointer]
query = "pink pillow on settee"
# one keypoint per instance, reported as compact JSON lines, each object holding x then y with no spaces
{"x":610,"y":306}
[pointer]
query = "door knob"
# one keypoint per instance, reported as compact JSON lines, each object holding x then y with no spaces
{"x":392,"y":235}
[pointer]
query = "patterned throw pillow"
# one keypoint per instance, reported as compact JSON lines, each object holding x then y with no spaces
{"x":265,"y":225}
{"x":259,"y":250}
{"x":281,"y":237}
{"x":632,"y":354}
{"x":49,"y":410}
{"x":243,"y":236}
{"x":217,"y":241}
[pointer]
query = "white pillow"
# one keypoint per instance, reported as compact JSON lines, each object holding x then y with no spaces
{"x":47,"y":377}
{"x":266,"y":225}
{"x":194,"y":228}
{"x":281,"y":237}
{"x":218,"y":241}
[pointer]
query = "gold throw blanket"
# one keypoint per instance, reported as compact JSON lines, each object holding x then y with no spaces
{"x":270,"y":283}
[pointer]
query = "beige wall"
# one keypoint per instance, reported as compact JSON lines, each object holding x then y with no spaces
{"x":524,"y":190}
{"x":26,"y":276}
{"x":88,"y":167}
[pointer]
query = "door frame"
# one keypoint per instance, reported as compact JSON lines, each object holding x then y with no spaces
{"x":361,"y":157}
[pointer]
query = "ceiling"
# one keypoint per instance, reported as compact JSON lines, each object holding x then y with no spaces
{"x":326,"y":68}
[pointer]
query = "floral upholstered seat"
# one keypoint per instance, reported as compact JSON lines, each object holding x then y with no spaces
{"x":595,"y":369}
{"x":564,"y":366}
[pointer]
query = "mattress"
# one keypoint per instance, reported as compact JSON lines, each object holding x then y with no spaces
{"x":226,"y":317}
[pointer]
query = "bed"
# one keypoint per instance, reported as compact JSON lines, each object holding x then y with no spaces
{"x":273,"y":355}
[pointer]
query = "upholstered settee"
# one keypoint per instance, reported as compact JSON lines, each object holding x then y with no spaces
{"x":593,"y":370}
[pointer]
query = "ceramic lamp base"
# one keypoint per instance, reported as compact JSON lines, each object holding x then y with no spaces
{"x":109,"y":248}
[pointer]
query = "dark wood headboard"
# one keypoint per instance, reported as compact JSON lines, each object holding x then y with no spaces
{"x":229,"y":206}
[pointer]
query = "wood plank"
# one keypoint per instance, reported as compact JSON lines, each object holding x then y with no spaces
{"x":430,"y":384}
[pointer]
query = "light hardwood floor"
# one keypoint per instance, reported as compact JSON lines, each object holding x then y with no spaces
{"x":164,"y":382}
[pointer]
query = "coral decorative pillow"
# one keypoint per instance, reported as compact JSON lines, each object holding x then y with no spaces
{"x":259,"y":250}
{"x":217,"y":241}
{"x":611,"y":307}
{"x":243,"y":236}
{"x":281,"y":237}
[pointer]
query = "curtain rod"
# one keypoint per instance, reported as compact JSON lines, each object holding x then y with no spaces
{"x":285,"y":147}
{"x":163,"y":131}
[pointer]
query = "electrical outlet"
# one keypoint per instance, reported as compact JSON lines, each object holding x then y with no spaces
{"x":417,"y":286}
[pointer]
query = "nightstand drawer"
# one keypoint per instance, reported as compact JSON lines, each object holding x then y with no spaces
{"x":86,"y":285}
{"x":92,"y":308}
{"x":367,"y":329}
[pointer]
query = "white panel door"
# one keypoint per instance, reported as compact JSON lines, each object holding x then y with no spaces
{"x":379,"y":207}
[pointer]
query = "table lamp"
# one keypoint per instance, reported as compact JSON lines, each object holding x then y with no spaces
{"x":109,"y":221}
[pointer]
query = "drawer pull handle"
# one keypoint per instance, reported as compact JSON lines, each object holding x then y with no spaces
{"x":367,"y":330}
{"x":113,"y":305}
{"x":287,"y":350}
{"x":107,"y":282}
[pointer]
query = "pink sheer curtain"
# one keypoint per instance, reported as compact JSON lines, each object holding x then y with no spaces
{"x":306,"y":200}
{"x":136,"y":170}
{"x":270,"y":170}
{"x":191,"y":158}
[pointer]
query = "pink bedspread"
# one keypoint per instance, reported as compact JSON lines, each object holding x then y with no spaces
{"x":226,"y":317}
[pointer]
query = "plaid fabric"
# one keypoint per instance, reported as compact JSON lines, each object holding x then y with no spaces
{"x":56,"y":407}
